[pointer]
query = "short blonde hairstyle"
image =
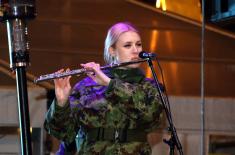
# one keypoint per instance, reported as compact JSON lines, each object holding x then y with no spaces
{"x":112,"y":37}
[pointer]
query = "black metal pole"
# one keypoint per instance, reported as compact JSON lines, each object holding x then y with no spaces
{"x":19,"y":59}
{"x":202,"y":101}
{"x":23,"y":107}
{"x":16,"y":13}
{"x":174,"y":140}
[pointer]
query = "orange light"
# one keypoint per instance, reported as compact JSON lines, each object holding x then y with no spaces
{"x":153,"y":47}
{"x":153,"y":42}
{"x":169,"y":40}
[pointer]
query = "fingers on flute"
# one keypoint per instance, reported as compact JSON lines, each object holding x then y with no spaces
{"x":91,"y":66}
{"x":63,"y":78}
{"x":69,"y":77}
{"x":59,"y":71}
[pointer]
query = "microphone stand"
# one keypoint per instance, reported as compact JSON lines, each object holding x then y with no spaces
{"x":174,"y":140}
{"x":15,"y":13}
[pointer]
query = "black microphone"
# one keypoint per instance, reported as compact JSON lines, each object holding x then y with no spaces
{"x":144,"y":55}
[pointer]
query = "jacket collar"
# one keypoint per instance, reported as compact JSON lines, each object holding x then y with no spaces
{"x":131,"y":75}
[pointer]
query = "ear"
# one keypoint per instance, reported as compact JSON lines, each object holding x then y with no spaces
{"x":112,"y":51}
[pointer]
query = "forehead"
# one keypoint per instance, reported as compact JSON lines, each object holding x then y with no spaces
{"x":129,"y":36}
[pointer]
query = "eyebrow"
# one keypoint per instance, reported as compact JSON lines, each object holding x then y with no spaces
{"x":131,"y":42}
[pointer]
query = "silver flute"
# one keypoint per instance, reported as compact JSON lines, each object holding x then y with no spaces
{"x":83,"y":70}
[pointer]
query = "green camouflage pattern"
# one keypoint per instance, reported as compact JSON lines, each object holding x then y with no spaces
{"x":130,"y":101}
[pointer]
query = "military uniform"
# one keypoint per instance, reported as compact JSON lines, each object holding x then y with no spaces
{"x":112,"y":120}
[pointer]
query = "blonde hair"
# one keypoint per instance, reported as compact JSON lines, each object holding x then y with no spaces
{"x":112,"y":37}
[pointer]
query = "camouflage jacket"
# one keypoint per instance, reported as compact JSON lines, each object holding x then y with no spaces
{"x":130,"y":101}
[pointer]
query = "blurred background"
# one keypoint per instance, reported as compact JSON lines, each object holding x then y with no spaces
{"x":66,"y":33}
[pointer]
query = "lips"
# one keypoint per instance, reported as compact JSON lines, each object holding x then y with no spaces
{"x":135,"y":58}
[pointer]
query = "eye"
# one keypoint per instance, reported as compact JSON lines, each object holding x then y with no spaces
{"x":139,"y":44}
{"x":127,"y":45}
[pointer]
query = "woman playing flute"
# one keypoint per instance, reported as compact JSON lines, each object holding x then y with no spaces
{"x":108,"y":113}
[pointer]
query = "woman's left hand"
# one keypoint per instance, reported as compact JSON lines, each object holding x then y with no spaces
{"x":96,"y":74}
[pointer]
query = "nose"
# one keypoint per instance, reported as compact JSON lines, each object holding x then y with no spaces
{"x":136,"y":50}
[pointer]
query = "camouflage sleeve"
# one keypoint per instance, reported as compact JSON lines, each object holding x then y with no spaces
{"x":144,"y":97}
{"x":152,"y":109}
{"x":60,"y":123}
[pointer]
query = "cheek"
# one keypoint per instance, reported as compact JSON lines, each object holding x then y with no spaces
{"x":123,"y":56}
{"x":120,"y":57}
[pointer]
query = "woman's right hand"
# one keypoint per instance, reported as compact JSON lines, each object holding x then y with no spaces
{"x":62,"y":89}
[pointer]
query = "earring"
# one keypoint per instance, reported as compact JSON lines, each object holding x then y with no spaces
{"x":113,"y":59}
